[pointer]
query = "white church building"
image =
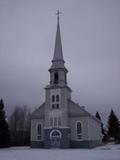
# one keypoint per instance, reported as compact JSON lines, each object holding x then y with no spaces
{"x":60,"y":122}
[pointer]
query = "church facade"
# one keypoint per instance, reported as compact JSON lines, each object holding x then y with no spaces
{"x":60,"y":122}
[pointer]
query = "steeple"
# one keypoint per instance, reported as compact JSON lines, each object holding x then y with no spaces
{"x":58,"y":54}
{"x":57,"y":70}
{"x":58,"y":61}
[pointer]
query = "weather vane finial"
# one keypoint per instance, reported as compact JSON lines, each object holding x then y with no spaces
{"x":58,"y":13}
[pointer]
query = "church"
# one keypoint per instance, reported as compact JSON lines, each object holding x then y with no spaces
{"x":60,"y":122}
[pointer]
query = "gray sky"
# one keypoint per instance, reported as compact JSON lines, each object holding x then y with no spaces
{"x":90,"y":31}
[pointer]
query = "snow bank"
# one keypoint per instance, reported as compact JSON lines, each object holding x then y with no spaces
{"x":108,"y":152}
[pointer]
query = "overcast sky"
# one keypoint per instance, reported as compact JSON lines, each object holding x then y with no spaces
{"x":90,"y":31}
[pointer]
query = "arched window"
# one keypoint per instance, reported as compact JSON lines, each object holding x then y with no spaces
{"x":55,"y":133}
{"x":56,"y":77}
{"x":53,"y":98}
{"x":79,"y":130}
{"x":39,"y":131}
{"x":57,"y":98}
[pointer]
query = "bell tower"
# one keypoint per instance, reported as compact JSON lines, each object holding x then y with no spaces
{"x":57,"y":95}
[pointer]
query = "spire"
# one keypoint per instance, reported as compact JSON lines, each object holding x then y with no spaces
{"x":58,"y":54}
{"x":58,"y":72}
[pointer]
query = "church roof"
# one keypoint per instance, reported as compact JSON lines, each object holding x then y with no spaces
{"x":39,"y":113}
{"x":74,"y":110}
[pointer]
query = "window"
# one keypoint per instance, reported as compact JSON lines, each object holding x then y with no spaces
{"x":53,"y":98}
{"x":79,"y":130}
{"x":55,"y":101}
{"x":39,"y":132}
{"x":53,"y":106}
{"x":55,"y":134}
{"x":56,"y":77}
{"x":57,"y":98}
{"x":57,"y":106}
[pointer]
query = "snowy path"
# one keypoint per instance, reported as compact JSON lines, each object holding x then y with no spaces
{"x":108,"y":152}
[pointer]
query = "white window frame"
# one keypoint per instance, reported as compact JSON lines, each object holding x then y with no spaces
{"x":79,"y":139}
{"x":55,"y":102}
{"x":39,"y":123}
{"x":55,"y":136}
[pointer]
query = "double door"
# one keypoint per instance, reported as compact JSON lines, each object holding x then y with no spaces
{"x":55,"y":142}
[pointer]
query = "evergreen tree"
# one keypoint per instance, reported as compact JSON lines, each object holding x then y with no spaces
{"x":97,"y":115}
{"x":113,"y":126}
{"x":4,"y":131}
{"x":105,"y":136}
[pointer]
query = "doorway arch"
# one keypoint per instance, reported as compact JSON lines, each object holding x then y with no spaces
{"x":55,"y":137}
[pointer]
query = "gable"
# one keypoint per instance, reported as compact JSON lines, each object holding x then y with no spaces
{"x":39,"y":113}
{"x":74,"y":110}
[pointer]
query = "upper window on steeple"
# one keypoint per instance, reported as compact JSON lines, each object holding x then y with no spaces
{"x":53,"y":98}
{"x":57,"y":98}
{"x":56,"y":77}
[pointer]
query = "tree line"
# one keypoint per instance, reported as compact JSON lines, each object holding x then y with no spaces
{"x":112,"y":132}
{"x":15,"y":131}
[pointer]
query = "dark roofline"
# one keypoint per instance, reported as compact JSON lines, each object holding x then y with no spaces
{"x":32,"y":114}
{"x":85,"y":111}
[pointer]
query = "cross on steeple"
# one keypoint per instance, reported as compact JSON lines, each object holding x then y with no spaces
{"x":58,"y":13}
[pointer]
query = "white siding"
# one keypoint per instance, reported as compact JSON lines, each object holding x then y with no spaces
{"x":34,"y":124}
{"x":84,"y":121}
{"x":94,"y":130}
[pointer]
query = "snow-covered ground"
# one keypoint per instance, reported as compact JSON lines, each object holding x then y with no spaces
{"x":107,"y":152}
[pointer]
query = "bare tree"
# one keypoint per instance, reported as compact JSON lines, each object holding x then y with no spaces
{"x":19,"y":123}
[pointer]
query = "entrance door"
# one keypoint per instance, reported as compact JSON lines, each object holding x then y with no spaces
{"x":55,"y":142}
{"x":55,"y":137}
